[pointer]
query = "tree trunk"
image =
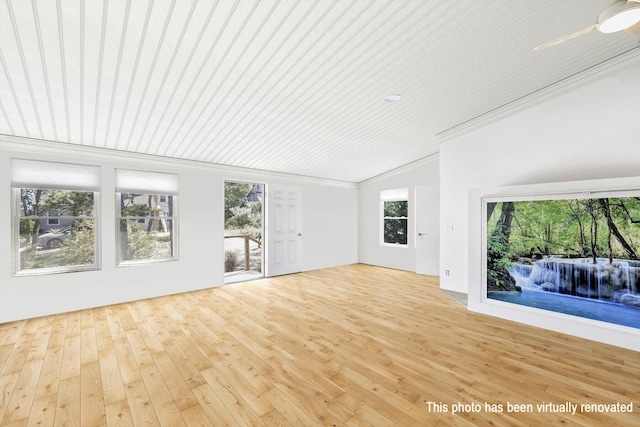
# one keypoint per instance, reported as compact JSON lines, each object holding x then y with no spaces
{"x":614,"y":229}
{"x":503,"y":227}
{"x":584,"y":249}
{"x":498,"y":278}
{"x":583,"y":239}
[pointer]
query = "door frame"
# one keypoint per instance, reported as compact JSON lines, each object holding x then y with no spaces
{"x":263,"y":225}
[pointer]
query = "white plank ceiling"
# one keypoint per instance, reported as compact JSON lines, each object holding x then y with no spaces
{"x":287,"y":86}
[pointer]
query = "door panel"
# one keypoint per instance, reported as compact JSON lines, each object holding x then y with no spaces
{"x":284,"y":231}
{"x":428,"y":230}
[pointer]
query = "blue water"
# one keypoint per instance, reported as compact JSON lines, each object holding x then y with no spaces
{"x":604,"y":311}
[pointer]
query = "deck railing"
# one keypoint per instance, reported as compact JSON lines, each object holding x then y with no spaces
{"x":247,"y":238}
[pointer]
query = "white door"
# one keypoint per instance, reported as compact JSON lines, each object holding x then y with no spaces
{"x":284,"y":230}
{"x":427,"y":213}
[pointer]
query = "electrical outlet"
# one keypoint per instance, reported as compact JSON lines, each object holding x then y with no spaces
{"x":446,"y":272}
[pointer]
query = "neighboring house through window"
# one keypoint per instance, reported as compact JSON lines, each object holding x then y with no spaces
{"x":54,"y":210}
{"x":53,"y":220}
{"x":146,"y":204}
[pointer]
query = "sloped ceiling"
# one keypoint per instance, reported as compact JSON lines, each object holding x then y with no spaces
{"x":287,"y":86}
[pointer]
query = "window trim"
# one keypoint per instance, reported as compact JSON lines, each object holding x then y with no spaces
{"x":52,"y":175}
{"x":134,"y":181}
{"x":393,"y":195}
{"x":15,"y":232}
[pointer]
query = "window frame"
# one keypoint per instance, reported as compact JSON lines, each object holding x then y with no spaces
{"x":17,"y":218}
{"x":394,"y":195}
{"x":143,"y":183}
{"x":120,"y":262}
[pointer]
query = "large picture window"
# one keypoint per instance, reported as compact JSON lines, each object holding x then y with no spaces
{"x":147,"y":216}
{"x":395,"y":211}
{"x":55,"y":221}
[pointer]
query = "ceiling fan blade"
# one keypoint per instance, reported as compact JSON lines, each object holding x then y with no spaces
{"x":566,"y":38}
{"x":634,"y":30}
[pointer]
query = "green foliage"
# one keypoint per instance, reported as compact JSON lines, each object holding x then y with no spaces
{"x":396,"y":208}
{"x":242,"y":216}
{"x":395,"y":231}
{"x":246,"y":216}
{"x":498,"y":263}
{"x":73,"y":203}
{"x":136,"y":210}
{"x":26,"y":226}
{"x":79,"y":248}
{"x":395,"y":222}
{"x":235,"y":195}
{"x":140,"y":243}
{"x":626,"y":214}
{"x":566,"y":227}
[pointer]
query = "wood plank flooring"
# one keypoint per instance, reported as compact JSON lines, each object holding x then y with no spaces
{"x":348,"y":346}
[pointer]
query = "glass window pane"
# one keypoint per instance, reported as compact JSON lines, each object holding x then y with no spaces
{"x":35,"y":201}
{"x":151,"y":238}
{"x":56,"y":229}
{"x":56,"y":247}
{"x":145,"y":205}
{"x":146,"y":227}
{"x":396,"y":208}
{"x":395,"y":231}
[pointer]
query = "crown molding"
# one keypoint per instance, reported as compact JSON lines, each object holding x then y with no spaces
{"x":417,"y":163}
{"x":591,"y":74}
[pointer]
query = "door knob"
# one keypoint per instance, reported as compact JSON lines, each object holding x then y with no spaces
{"x":422,"y":234}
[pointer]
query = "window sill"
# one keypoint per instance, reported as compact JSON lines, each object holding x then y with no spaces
{"x":394,"y":245}
{"x":134,"y":263}
{"x":56,"y":270}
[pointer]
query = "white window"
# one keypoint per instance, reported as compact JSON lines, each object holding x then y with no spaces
{"x":394,"y":211}
{"x":146,"y":204}
{"x":55,"y":222}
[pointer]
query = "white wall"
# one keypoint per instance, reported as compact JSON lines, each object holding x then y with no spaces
{"x":588,"y":134}
{"x":370,"y":251}
{"x":330,"y":226}
{"x":327,"y":241}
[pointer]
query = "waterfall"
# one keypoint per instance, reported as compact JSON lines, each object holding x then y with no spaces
{"x":617,"y":281}
{"x":629,"y":274}
{"x":599,"y":277}
{"x":523,"y":270}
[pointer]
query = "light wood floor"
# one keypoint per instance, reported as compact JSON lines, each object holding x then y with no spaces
{"x":348,"y":346}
